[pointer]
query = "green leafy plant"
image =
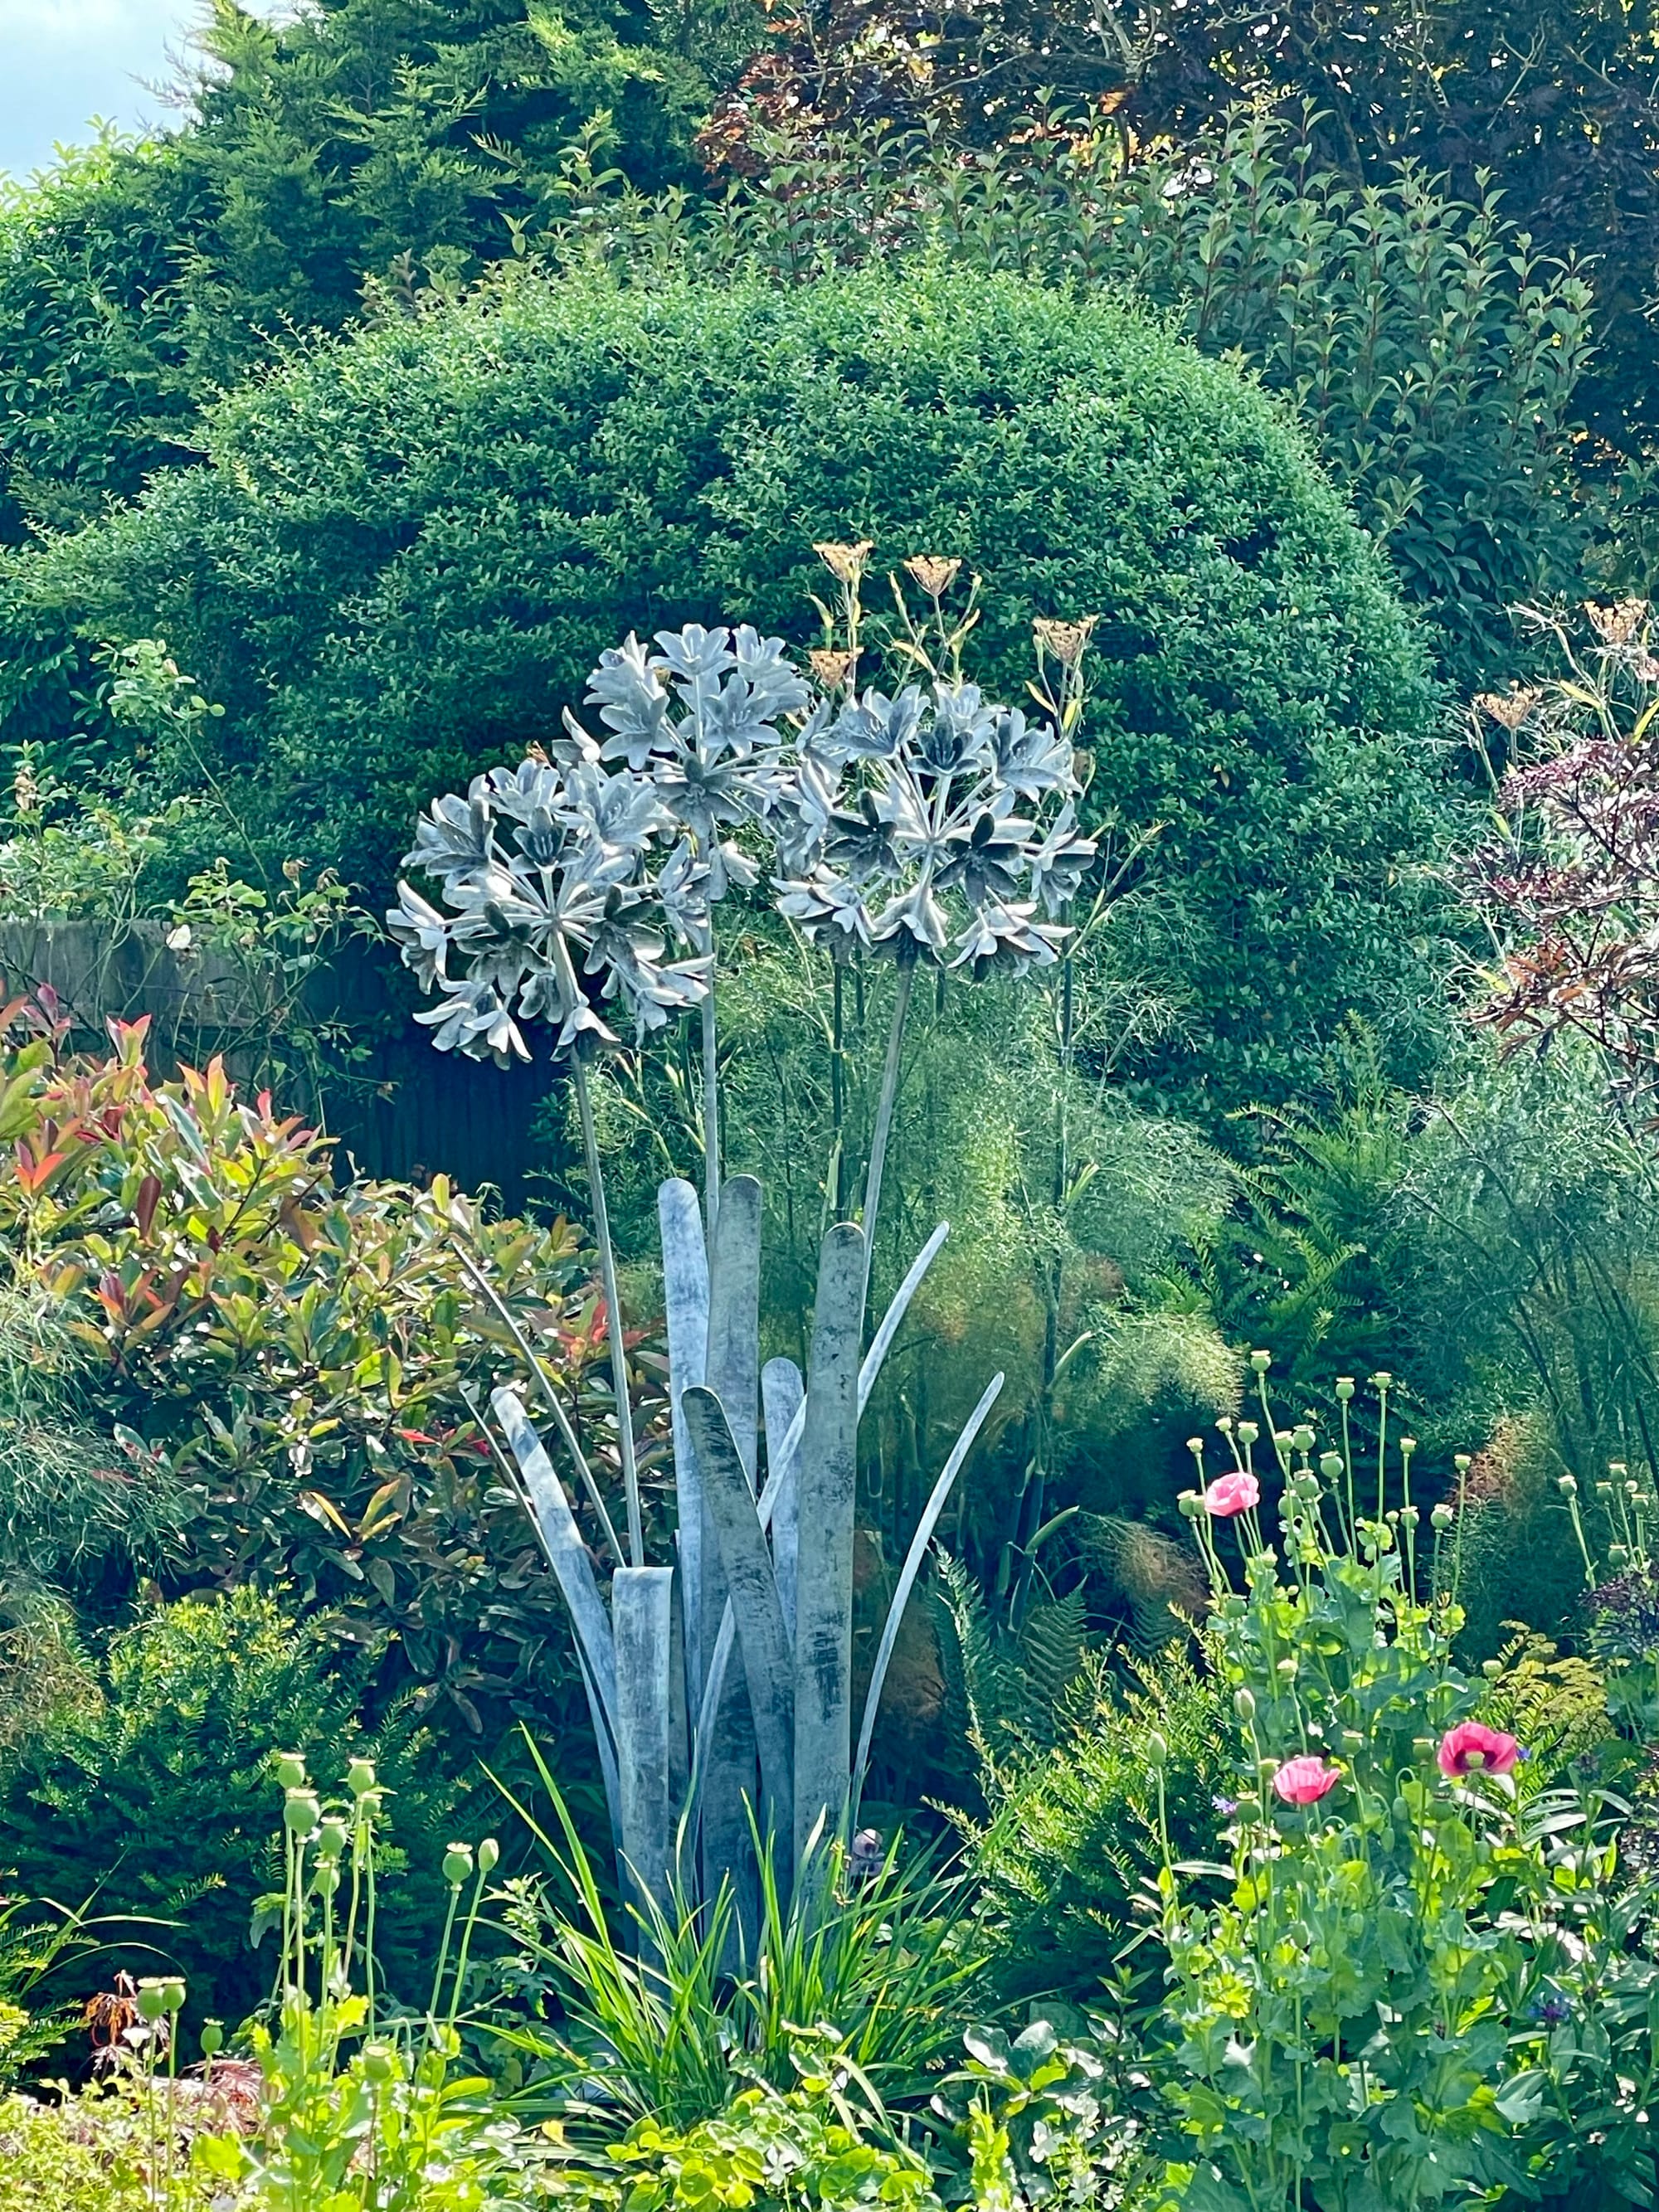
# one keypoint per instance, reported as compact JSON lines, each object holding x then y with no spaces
{"x":1050,"y":2116}
{"x":793,"y":2149}
{"x":361,"y":2112}
{"x":1366,"y":2017}
{"x":668,"y":2023}
{"x":290,"y":1366}
{"x":95,"y":2147}
{"x":143,"y":1788}
{"x":1070,"y":1839}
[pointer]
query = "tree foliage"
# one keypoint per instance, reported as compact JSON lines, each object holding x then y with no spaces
{"x":1551,"y":104}
{"x":406,"y":554}
{"x":389,"y":144}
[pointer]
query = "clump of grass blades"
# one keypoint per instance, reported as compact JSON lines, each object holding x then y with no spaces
{"x":862,"y":1980}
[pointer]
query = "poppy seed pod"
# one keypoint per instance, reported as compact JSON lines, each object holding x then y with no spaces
{"x":1262,"y":1361}
{"x":302,"y":1814}
{"x":457,"y":1864}
{"x":213,"y":2038}
{"x":379,"y":2062}
{"x":290,"y":1770}
{"x":360,"y":1777}
{"x":1344,"y":1388}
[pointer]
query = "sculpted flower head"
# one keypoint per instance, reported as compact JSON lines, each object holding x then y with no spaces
{"x":1229,"y":1494}
{"x":932,"y":825}
{"x":1305,"y":1781}
{"x":1470,"y":1747}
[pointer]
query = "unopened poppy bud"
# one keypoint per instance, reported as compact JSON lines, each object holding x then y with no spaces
{"x":490,"y":1856}
{"x":1244,"y":1704}
{"x":1491,"y":1668}
{"x":1287,"y":1668}
{"x":290,"y":1770}
{"x":301,"y":1813}
{"x":1158,"y":1751}
{"x":457,"y":1864}
{"x":213,"y":2038}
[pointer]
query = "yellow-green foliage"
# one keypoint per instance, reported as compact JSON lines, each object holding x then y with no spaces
{"x":89,"y":2155}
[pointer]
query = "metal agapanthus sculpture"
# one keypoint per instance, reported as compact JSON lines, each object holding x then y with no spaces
{"x":933,"y":827}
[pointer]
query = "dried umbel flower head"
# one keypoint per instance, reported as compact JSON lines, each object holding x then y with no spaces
{"x":1619,"y":623}
{"x":935,"y":576}
{"x":830,"y":668}
{"x":1509,"y":710}
{"x":845,"y":563}
{"x":1064,"y":640}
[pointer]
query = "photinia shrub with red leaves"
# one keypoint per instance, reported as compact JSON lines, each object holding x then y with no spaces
{"x":302,"y":1356}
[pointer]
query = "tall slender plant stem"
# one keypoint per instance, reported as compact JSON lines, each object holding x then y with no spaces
{"x":890,"y":1076}
{"x":613,"y":1311}
{"x":711,"y":1114}
{"x":837,"y":1091}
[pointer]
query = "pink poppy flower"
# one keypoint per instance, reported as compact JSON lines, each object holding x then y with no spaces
{"x":1232,"y":1494}
{"x":1305,"y":1781}
{"x":1471,"y":1745}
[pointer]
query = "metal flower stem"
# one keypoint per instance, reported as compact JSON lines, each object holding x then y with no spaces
{"x":890,"y":1076}
{"x":613,"y":1311}
{"x":711,"y":1102}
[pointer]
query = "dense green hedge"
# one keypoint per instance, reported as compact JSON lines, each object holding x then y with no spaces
{"x":406,"y":551}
